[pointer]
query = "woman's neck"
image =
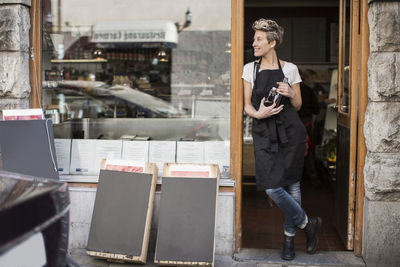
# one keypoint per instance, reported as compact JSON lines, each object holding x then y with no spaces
{"x":269,"y":60}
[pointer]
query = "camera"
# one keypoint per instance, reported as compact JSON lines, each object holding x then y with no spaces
{"x":274,"y":96}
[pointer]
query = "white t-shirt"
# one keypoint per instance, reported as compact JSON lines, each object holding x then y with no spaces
{"x":289,"y":70}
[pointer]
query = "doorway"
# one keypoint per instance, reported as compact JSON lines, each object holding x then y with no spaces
{"x":317,"y":38}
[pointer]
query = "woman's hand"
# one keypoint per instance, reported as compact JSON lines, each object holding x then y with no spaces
{"x":291,"y":92}
{"x":285,"y":90}
{"x":265,"y":112}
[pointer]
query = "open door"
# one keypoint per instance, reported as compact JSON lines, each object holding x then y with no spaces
{"x":347,"y":121}
{"x":343,"y":182}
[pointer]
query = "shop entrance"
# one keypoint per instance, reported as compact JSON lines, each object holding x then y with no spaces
{"x":322,"y":39}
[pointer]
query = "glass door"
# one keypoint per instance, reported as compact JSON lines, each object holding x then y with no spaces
{"x":347,"y":121}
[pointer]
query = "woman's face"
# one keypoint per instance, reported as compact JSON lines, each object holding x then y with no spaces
{"x":261,"y":45}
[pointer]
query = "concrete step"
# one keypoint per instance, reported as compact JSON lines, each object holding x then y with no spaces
{"x":246,"y":258}
{"x":272,"y":258}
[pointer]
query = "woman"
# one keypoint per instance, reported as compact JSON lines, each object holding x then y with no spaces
{"x":278,"y":134}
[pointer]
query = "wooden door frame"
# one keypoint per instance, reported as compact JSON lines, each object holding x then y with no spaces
{"x":35,"y":55}
{"x":236,"y":133}
{"x":362,"y":107}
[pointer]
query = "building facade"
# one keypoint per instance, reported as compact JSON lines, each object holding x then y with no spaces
{"x":380,"y":202}
{"x":381,"y":172}
{"x":15,"y":20}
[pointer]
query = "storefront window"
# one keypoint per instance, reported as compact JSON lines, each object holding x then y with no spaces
{"x":137,"y":71}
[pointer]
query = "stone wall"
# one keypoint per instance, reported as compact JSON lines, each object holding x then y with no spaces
{"x":381,"y":238}
{"x":14,"y":54}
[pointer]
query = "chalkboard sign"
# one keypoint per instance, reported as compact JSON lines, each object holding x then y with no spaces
{"x":27,"y":147}
{"x":187,"y":218}
{"x":121,"y":220}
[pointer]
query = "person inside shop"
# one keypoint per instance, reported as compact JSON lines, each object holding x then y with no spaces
{"x":308,"y":114}
{"x":278,"y":134}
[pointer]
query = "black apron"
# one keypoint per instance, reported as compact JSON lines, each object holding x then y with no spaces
{"x":279,"y":141}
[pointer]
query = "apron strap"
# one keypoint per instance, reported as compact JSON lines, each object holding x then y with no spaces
{"x":276,"y":127}
{"x":277,"y":132}
{"x":281,"y":130}
{"x":273,"y":134}
{"x":279,"y":63}
{"x":256,"y":70}
{"x":279,"y":124}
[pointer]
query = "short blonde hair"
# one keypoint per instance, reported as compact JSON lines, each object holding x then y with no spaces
{"x":273,"y":30}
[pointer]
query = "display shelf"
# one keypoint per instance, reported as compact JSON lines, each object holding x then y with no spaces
{"x":78,"y":60}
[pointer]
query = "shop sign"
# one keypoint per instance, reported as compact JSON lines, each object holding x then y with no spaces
{"x":129,"y":36}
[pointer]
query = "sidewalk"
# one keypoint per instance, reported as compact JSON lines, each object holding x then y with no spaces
{"x":247,"y":258}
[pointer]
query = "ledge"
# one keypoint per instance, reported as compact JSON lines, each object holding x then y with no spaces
{"x":93,"y":179}
{"x":78,"y":60}
{"x":271,"y":257}
{"x":371,"y":1}
{"x":13,"y":2}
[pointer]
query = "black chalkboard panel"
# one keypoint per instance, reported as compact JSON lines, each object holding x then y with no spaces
{"x":27,"y":147}
{"x":186,"y":226}
{"x":122,"y":215}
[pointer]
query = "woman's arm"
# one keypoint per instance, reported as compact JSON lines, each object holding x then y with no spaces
{"x":292,"y":92}
{"x":263,"y":111}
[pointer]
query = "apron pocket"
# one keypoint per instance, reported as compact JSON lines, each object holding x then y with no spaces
{"x":262,"y":143}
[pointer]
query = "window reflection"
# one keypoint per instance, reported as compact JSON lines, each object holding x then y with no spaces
{"x":137,"y":68}
{"x":156,"y":59}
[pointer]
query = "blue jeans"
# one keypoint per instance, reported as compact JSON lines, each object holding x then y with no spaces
{"x":288,"y":199}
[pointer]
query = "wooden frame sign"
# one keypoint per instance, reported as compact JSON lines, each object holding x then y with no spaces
{"x":121,"y":221}
{"x":187,"y":216}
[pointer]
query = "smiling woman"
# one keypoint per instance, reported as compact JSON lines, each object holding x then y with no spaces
{"x":278,"y":134}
